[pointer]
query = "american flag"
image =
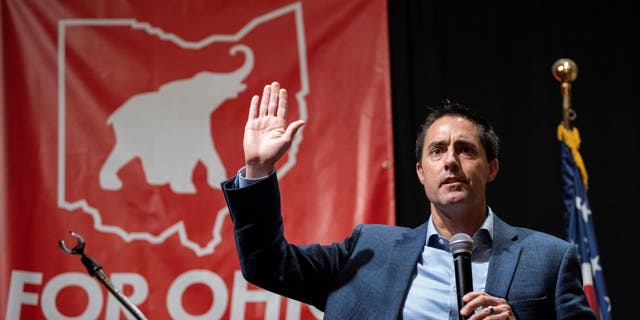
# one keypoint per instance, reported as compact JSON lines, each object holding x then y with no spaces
{"x":580,"y":230}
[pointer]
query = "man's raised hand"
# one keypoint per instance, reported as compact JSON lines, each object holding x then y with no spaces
{"x":266,"y":134}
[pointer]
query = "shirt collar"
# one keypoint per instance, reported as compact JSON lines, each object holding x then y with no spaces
{"x":483,"y":236}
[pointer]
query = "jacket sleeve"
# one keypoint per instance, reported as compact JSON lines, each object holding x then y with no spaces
{"x":571,"y":302}
{"x":267,"y":260}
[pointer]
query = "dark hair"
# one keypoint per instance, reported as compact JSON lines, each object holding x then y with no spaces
{"x":488,"y":136}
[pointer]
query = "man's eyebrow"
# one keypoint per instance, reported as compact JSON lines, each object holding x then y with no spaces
{"x":459,"y":142}
{"x":464,"y":142}
{"x":436,"y":143}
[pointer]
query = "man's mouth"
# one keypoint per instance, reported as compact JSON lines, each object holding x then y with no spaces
{"x":452,"y":180}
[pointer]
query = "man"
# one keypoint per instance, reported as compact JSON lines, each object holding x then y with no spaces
{"x":390,"y":272}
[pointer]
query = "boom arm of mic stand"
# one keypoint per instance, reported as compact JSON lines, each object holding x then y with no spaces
{"x":95,"y":270}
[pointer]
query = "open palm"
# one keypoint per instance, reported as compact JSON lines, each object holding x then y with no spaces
{"x":266,"y":134}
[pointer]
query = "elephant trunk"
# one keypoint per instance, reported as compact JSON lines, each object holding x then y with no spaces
{"x":243,"y":71}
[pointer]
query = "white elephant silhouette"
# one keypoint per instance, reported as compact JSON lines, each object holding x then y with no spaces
{"x":170,"y":129}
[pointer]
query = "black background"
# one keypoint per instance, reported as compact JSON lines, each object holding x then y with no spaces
{"x":496,"y":57}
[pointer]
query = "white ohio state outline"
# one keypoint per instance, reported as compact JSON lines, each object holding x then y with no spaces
{"x":178,"y":227}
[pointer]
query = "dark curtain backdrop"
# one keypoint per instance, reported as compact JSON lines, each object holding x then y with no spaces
{"x":496,"y":56}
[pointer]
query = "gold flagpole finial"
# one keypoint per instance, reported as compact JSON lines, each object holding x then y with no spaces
{"x":565,"y":71}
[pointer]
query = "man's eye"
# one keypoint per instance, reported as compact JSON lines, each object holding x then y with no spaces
{"x":436,"y":151}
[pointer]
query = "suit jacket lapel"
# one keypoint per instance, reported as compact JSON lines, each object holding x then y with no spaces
{"x":402,"y":262}
{"x":504,"y":259}
{"x":402,"y":265}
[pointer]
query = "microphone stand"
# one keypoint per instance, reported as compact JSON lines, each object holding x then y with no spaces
{"x":95,"y":270}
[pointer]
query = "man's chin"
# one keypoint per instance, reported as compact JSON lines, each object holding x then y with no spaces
{"x":454,"y":198}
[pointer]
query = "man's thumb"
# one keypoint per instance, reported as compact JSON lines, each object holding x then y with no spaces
{"x":294,"y":127}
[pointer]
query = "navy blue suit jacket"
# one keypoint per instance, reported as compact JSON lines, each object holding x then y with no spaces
{"x":367,"y":276}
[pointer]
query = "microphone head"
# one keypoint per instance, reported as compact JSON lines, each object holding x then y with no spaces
{"x":461,"y":243}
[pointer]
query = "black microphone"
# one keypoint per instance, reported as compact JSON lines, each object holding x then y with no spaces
{"x":461,"y":246}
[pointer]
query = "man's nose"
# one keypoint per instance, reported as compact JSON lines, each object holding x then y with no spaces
{"x":451,"y":161}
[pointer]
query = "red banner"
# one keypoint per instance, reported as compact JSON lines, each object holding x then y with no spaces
{"x":120,"y":119}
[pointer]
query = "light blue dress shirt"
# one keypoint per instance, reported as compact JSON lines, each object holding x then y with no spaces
{"x":432,"y":293}
{"x":245,"y":182}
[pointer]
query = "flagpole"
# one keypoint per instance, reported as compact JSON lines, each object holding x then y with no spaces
{"x":578,"y":215}
{"x":565,"y":71}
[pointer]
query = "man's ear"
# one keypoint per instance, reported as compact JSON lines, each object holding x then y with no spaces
{"x":419,"y":172}
{"x":494,"y":166}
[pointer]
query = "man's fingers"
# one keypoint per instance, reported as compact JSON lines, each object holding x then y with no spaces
{"x":264,"y":102}
{"x":282,"y":104}
{"x":273,"y":102}
{"x":253,"y":107}
{"x":273,"y":98}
